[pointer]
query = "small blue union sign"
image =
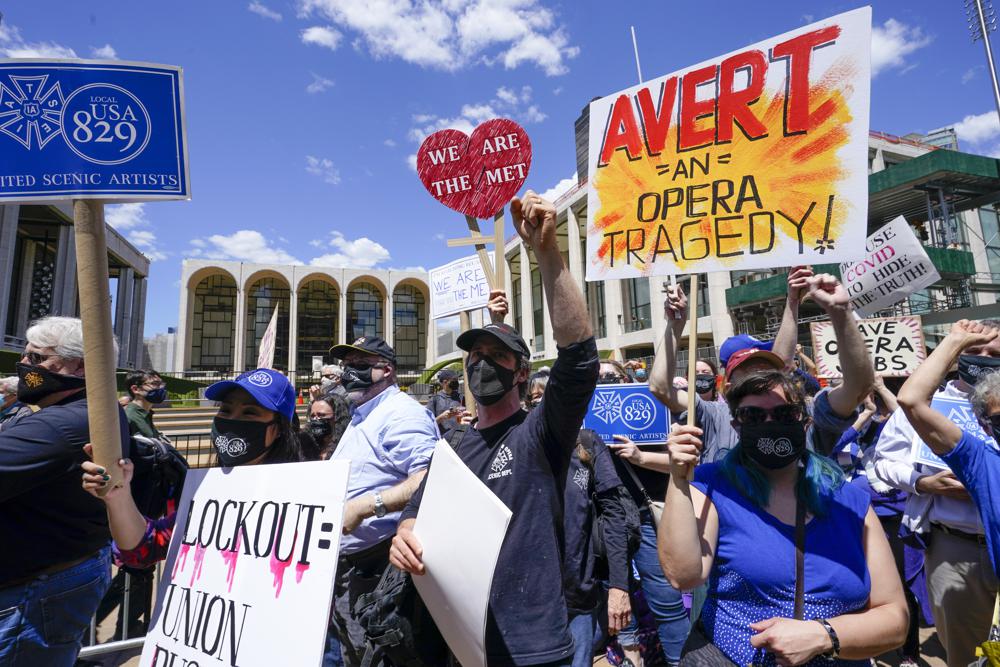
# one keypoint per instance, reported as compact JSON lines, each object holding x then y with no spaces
{"x":629,"y":410}
{"x":79,"y":129}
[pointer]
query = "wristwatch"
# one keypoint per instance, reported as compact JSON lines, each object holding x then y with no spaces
{"x":834,"y":651}
{"x":380,"y":509}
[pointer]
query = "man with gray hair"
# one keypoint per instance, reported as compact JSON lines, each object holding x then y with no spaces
{"x":55,"y":564}
{"x":11,"y":409}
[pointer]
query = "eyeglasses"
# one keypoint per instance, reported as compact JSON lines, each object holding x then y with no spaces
{"x":35,"y":358}
{"x":610,"y":378}
{"x":782,"y":414}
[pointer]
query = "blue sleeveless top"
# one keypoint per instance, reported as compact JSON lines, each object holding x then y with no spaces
{"x":753,"y":574}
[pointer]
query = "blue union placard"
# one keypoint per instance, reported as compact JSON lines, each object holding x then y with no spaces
{"x":79,"y":129}
{"x":629,"y":410}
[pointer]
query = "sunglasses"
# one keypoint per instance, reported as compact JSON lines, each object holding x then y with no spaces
{"x":35,"y":358}
{"x":782,"y":414}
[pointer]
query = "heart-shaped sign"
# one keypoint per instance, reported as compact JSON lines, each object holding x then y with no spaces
{"x":476,"y":175}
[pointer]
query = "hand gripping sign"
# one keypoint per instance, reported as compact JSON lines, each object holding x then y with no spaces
{"x":755,"y":159}
{"x":91,"y":131}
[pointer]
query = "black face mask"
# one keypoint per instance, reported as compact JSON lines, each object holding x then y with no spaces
{"x":320,"y":429}
{"x":34,"y":383}
{"x":489,"y":381}
{"x":971,"y":367}
{"x":239,"y":441}
{"x":773,"y":445}
{"x":704,"y":383}
{"x":357,"y":379}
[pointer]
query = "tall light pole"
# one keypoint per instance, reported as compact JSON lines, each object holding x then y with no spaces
{"x":982,"y":21}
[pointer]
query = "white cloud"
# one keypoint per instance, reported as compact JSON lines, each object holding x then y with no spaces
{"x":245,"y":245}
{"x":316,"y":243}
{"x":106,"y":52}
{"x":390,"y":143}
{"x":976,"y":129}
{"x":970,"y":74}
{"x":506,"y":103}
{"x":319,"y":84}
{"x":263,"y":11}
{"x":560,"y":188}
{"x":12,"y":45}
{"x":362,"y":253}
{"x":324,"y":168}
{"x":131,"y":221}
{"x":453,"y":34}
{"x":320,"y":35}
{"x":892,"y":42}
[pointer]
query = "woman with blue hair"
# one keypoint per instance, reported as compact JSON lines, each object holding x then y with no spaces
{"x":798,"y":568}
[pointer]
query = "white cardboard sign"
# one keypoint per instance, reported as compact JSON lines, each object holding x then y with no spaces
{"x":458,"y":286}
{"x":895,"y":266}
{"x":249,"y":575}
{"x":459,"y":563}
{"x":895,"y":344}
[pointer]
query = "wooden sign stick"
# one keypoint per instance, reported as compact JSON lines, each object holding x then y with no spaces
{"x":692,"y":355}
{"x":470,"y":401}
{"x":99,"y":352}
{"x":484,"y":257}
{"x":498,"y":251}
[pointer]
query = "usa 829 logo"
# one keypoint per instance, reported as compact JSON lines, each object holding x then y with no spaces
{"x":101,"y":122}
{"x":636,"y":411}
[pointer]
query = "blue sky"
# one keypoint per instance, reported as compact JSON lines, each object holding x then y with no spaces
{"x":303,"y":116}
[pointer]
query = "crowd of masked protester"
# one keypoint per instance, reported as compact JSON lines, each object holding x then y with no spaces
{"x":794,"y":522}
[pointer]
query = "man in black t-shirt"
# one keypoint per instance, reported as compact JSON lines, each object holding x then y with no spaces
{"x":523,"y":458}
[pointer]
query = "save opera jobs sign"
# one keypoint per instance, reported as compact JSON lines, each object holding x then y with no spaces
{"x":85,"y":129}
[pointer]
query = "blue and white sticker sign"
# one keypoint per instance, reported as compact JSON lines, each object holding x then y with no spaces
{"x":86,"y":129}
{"x":959,"y":411}
{"x":629,"y":410}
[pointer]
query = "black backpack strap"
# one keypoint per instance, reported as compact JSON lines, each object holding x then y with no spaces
{"x":456,"y":435}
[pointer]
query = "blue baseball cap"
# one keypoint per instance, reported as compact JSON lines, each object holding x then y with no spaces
{"x":734,"y":344}
{"x":269,"y":388}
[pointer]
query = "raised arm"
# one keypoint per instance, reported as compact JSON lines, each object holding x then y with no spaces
{"x":888,"y":398}
{"x":808,"y":365}
{"x":936,"y":430}
{"x":788,"y":333}
{"x":661,"y":378}
{"x":689,"y":529}
{"x":498,"y":306}
{"x":859,"y":375}
{"x":127,"y":524}
{"x":535,"y":221}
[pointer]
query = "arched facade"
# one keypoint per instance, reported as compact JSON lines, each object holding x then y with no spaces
{"x":409,"y":318}
{"x":265,"y":291}
{"x":365,"y":308}
{"x":318,"y":319}
{"x":213,"y":298}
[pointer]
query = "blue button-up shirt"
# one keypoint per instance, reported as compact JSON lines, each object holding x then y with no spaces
{"x":389,"y":438}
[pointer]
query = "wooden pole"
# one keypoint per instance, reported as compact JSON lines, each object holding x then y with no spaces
{"x":692,"y":354}
{"x":470,"y":401}
{"x":498,"y":252}
{"x":484,"y":257}
{"x":99,"y":353}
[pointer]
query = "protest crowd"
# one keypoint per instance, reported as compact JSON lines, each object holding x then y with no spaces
{"x":786,"y":524}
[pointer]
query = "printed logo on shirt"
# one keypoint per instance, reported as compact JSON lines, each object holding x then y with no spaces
{"x":501,"y":463}
{"x":781,"y":446}
{"x":582,"y":479}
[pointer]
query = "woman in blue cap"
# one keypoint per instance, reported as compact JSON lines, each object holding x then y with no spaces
{"x":253,"y":426}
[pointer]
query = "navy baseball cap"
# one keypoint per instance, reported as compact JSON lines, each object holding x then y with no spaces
{"x":269,"y":388}
{"x":365,"y":345}
{"x":505,"y":333}
{"x":734,"y":344}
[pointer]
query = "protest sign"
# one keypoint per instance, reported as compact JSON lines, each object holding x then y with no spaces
{"x":895,"y":344}
{"x":959,"y":411}
{"x":78,"y":129}
{"x":629,"y":410}
{"x":459,"y":563}
{"x":895,"y":266}
{"x":227,"y":595}
{"x":476,"y":175}
{"x":459,"y":286}
{"x":755,"y":159}
{"x":265,"y":356}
